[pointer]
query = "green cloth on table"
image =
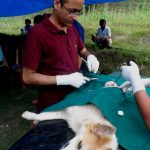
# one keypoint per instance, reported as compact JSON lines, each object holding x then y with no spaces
{"x":132,"y":133}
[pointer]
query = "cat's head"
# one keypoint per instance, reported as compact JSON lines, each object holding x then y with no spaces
{"x":98,"y":137}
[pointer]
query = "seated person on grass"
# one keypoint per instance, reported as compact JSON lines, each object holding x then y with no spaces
{"x":103,"y":35}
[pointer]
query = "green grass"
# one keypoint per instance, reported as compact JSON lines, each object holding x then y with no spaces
{"x":130,"y":28}
{"x":12,"y":25}
{"x":12,"y":104}
{"x":129,"y":22}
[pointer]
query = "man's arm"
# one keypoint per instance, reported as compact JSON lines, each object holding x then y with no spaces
{"x":30,"y":76}
{"x":143,"y":101}
{"x":131,"y":73}
{"x":84,"y":53}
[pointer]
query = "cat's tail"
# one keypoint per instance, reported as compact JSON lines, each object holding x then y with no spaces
{"x":28,"y":115}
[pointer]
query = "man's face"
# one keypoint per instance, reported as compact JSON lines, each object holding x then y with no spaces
{"x":69,"y":11}
{"x":103,"y":25}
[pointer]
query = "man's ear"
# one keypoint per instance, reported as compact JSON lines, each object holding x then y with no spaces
{"x":103,"y":130}
{"x":57,"y":4}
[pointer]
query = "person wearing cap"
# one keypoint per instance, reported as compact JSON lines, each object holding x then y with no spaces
{"x":103,"y":35}
{"x":137,"y":85}
{"x":50,"y":58}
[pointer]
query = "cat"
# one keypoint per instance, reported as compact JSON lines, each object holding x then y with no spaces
{"x":93,"y":131}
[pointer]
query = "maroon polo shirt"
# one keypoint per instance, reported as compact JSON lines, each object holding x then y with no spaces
{"x":51,"y":51}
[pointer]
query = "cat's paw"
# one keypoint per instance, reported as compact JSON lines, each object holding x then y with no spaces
{"x":28,"y":115}
{"x":65,"y":148}
{"x":70,"y":147}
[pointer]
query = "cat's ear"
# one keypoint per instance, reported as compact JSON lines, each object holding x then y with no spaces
{"x":103,"y":130}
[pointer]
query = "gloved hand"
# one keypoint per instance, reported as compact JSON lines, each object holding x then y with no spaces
{"x":131,"y":73}
{"x":126,"y":86}
{"x":92,"y":63}
{"x":75,"y":79}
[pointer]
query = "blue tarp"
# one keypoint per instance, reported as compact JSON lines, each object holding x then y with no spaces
{"x":23,"y":7}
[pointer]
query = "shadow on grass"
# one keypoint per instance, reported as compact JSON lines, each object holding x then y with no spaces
{"x":13,"y":102}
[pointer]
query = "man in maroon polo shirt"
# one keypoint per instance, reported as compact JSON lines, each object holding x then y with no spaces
{"x":51,"y":52}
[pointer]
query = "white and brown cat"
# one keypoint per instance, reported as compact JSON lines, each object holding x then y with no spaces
{"x":93,"y":131}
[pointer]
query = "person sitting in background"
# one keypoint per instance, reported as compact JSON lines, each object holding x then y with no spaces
{"x":137,"y":85}
{"x":103,"y":35}
{"x":37,"y":19}
{"x":27,"y":27}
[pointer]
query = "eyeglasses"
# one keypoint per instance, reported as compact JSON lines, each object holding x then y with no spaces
{"x":73,"y":12}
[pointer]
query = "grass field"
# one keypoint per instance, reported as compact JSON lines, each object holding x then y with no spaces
{"x":12,"y":103}
{"x":130,"y":25}
{"x":129,"y":22}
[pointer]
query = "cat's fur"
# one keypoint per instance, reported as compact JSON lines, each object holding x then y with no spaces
{"x":93,"y":131}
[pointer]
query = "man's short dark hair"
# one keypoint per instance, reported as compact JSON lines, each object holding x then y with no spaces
{"x":63,"y":1}
{"x":102,"y":21}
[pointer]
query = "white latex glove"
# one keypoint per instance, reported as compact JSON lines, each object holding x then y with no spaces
{"x":126,"y":86}
{"x":111,"y":84}
{"x":75,"y":79}
{"x":92,"y":63}
{"x":131,"y":73}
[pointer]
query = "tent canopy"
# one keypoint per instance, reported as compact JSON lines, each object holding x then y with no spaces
{"x":22,"y":7}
